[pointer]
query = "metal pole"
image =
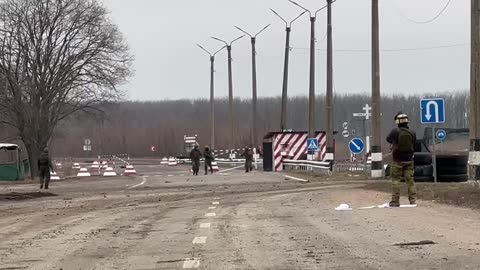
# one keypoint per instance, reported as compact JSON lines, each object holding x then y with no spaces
{"x":254,"y":94}
{"x":230,"y":96}
{"x":329,"y":96}
{"x":212,"y":102}
{"x":284,"y":117}
{"x":311,"y":97}
{"x":434,"y":157}
{"x":376,"y":150}
{"x":474,"y":117}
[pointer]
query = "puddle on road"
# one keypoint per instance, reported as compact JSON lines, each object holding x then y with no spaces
{"x":16,"y":196}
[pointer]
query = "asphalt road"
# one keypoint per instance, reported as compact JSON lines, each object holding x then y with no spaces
{"x":167,"y":219}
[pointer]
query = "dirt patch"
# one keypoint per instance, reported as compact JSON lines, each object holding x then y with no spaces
{"x":459,"y":194}
{"x":16,"y":196}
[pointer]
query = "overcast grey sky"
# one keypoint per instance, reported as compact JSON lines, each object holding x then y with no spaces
{"x":162,"y":35}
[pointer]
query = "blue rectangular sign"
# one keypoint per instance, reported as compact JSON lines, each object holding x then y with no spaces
{"x":432,"y":111}
{"x":312,"y":144}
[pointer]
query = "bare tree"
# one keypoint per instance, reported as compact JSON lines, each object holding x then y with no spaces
{"x":57,"y":57}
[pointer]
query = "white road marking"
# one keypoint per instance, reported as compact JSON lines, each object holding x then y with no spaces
{"x":215,"y":203}
{"x":231,"y":169}
{"x":141,"y":184}
{"x":191,"y":263}
{"x":170,"y":175}
{"x":205,"y":225}
{"x":200,"y":240}
{"x":210,"y":215}
{"x":216,"y":198}
{"x":212,"y":207}
{"x":296,"y":179}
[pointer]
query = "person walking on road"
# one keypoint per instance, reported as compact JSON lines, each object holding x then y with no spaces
{"x":403,"y":141}
{"x":248,"y":154}
{"x":44,"y":167}
{"x":208,"y":155}
{"x":195,"y":156}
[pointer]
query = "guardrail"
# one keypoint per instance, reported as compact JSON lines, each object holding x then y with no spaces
{"x":308,"y":165}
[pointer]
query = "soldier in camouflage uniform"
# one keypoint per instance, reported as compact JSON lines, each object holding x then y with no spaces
{"x":195,"y":156}
{"x":248,"y":154}
{"x":403,"y":141}
{"x":44,"y":167}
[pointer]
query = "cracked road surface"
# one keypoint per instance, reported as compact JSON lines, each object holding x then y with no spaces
{"x":167,"y":219}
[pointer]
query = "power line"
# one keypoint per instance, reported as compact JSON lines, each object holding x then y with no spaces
{"x":401,"y":13}
{"x":394,"y":50}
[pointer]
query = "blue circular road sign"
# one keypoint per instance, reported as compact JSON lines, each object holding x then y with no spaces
{"x":356,"y":146}
{"x":441,"y":134}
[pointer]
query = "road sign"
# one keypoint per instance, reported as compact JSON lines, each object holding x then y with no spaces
{"x":356,"y":146}
{"x":441,"y":134}
{"x":345,"y":125}
{"x":87,"y":148}
{"x":432,"y":111}
{"x":153,"y":148}
{"x":312,"y":144}
{"x":366,"y":114}
{"x":345,"y":133}
{"x":88,"y":142}
{"x":354,"y":132}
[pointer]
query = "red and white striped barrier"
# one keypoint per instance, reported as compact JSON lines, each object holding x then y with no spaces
{"x":109,"y":172}
{"x":83,"y":173}
{"x":54,"y":176}
{"x":130,"y":170}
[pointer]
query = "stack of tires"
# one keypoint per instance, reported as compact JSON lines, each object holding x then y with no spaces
{"x":452,"y":168}
{"x":423,"y":167}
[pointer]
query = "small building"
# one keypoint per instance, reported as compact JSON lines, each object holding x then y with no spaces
{"x":278,"y":146}
{"x":12,"y":168}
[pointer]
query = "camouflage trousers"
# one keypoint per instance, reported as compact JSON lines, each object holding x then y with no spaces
{"x":403,"y":171}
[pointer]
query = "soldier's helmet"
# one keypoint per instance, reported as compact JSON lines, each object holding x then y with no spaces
{"x":401,"y":118}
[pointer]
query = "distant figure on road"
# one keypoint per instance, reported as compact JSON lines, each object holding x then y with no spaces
{"x":208,"y":155}
{"x":44,"y":166}
{"x":248,"y":154}
{"x":195,"y":156}
{"x":403,"y":147}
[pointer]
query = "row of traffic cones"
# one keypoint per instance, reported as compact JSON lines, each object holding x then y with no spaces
{"x":109,"y":172}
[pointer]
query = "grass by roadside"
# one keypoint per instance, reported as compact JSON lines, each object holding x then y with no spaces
{"x":458,"y":194}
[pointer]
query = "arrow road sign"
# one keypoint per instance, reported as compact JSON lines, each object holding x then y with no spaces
{"x":441,"y":134}
{"x":356,"y":146}
{"x":432,"y":111}
{"x":312,"y":144}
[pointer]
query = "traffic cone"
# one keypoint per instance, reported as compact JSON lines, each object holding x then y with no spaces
{"x":76,"y":166}
{"x":95,"y":165}
{"x":129,"y":170}
{"x":215,"y":167}
{"x":83,"y":173}
{"x":172,"y":161}
{"x":109,"y":172}
{"x":164,"y":161}
{"x":54,"y":176}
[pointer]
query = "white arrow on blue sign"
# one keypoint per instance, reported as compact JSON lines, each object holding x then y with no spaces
{"x":432,"y":111}
{"x":441,"y":134}
{"x":312,"y":144}
{"x":356,"y":146}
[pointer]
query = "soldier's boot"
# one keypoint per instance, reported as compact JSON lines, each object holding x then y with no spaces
{"x":394,"y":204}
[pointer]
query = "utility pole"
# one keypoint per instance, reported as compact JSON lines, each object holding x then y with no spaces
{"x":329,"y":97}
{"x":288,"y":29}
{"x":253,"y":39}
{"x":212,"y":94}
{"x":230,"y":87}
{"x":474,"y":117}
{"x":377,"y":156}
{"x":311,"y":89}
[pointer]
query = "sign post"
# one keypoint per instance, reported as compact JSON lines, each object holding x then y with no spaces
{"x":366,"y":114}
{"x":312,"y":147}
{"x":433,"y":112}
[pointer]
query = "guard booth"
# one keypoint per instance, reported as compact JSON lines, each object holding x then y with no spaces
{"x":278,"y":146}
{"x":12,"y":166}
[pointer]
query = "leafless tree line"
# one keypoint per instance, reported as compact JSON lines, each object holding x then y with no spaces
{"x":133,"y":127}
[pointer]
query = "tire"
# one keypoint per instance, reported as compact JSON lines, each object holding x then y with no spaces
{"x":425,"y":170}
{"x":420,"y":159}
{"x":452,"y":160}
{"x":453,"y":178}
{"x":424,"y":179}
{"x":452,"y":170}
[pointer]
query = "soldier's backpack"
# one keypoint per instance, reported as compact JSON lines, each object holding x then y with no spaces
{"x":405,"y":141}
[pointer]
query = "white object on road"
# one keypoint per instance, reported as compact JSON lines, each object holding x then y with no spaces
{"x":343,"y":207}
{"x":210,"y":215}
{"x":205,"y":225}
{"x":199,"y":240}
{"x":54,"y":176}
{"x":109,"y":172}
{"x":130,"y":170}
{"x":215,"y":166}
{"x":76,"y":166}
{"x":296,"y":179}
{"x":387,"y":205}
{"x":191,"y":263}
{"x":83,"y":173}
{"x":164,"y":161}
{"x":95,"y":165}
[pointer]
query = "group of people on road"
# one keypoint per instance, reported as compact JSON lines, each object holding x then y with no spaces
{"x":196,"y":155}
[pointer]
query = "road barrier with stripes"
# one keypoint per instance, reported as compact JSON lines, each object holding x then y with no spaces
{"x":307,"y":165}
